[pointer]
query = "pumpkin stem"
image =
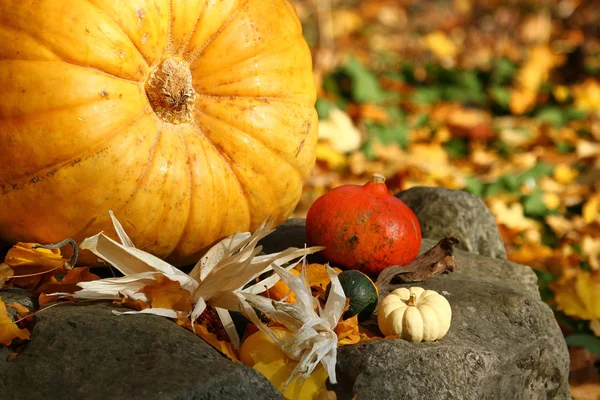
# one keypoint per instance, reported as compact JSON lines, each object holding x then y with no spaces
{"x":170,"y":91}
{"x":378,"y":178}
{"x":412,"y":300}
{"x":69,"y":264}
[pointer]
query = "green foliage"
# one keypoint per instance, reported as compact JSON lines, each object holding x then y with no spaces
{"x":511,"y":183}
{"x":388,"y":134}
{"x":323,"y":107}
{"x":533,"y":204}
{"x":365,"y":86}
{"x":590,"y":342}
{"x":503,"y":71}
{"x":457,"y":147}
{"x":559,"y":116}
{"x":545,"y":278}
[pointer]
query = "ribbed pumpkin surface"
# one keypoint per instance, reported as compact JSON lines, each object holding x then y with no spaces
{"x":191,"y":120}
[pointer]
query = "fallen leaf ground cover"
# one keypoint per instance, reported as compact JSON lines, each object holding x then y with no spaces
{"x":501,"y":99}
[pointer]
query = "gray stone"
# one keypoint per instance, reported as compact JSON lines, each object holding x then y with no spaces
{"x":87,"y":352}
{"x":442,"y":212}
{"x":504,"y":342}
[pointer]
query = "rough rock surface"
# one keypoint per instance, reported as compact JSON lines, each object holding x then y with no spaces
{"x":442,"y":212}
{"x":504,"y":342}
{"x":87,"y":352}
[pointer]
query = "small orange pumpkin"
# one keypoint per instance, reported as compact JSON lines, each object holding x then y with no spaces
{"x":190,"y":119}
{"x":364,"y":227}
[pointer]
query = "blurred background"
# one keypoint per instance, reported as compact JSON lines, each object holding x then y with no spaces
{"x":498,"y":98}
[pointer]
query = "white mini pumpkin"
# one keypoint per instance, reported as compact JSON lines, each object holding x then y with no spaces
{"x":414,"y":314}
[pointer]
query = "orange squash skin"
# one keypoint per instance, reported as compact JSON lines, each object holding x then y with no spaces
{"x":364,"y":228}
{"x":190,"y":119}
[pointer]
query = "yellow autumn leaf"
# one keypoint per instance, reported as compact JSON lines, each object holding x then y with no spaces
{"x":565,"y":174}
{"x":536,"y":70}
{"x":262,"y":354}
{"x":24,"y":254}
{"x":586,"y":95}
{"x":512,"y":216}
{"x":591,"y":209}
{"x":580,"y":297}
{"x":551,"y":200}
{"x":166,"y":293}
{"x":532,"y":254}
{"x":331,"y":157}
{"x":440,"y":45}
{"x":561,"y":93}
{"x":9,"y":331}
{"x":347,"y":331}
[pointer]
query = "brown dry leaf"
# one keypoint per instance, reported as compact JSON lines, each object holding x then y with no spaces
{"x":68,"y":284}
{"x":39,"y":264}
{"x":134,"y":304}
{"x":437,"y":260}
{"x":166,"y":293}
{"x":372,"y":112}
{"x":9,"y":331}
{"x":587,"y":390}
{"x":580,"y":297}
{"x":471,"y":123}
{"x":347,"y":331}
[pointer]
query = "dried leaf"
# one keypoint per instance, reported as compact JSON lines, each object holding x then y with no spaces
{"x":216,"y":280}
{"x":328,"y":155}
{"x":9,"y":331}
{"x":587,"y":95}
{"x":434,"y":261}
{"x":591,"y":209}
{"x":68,"y":284}
{"x":512,"y":216}
{"x":580,"y":297}
{"x":166,"y":293}
{"x":347,"y":331}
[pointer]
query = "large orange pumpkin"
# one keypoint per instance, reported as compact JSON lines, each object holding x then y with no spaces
{"x":190,"y":119}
